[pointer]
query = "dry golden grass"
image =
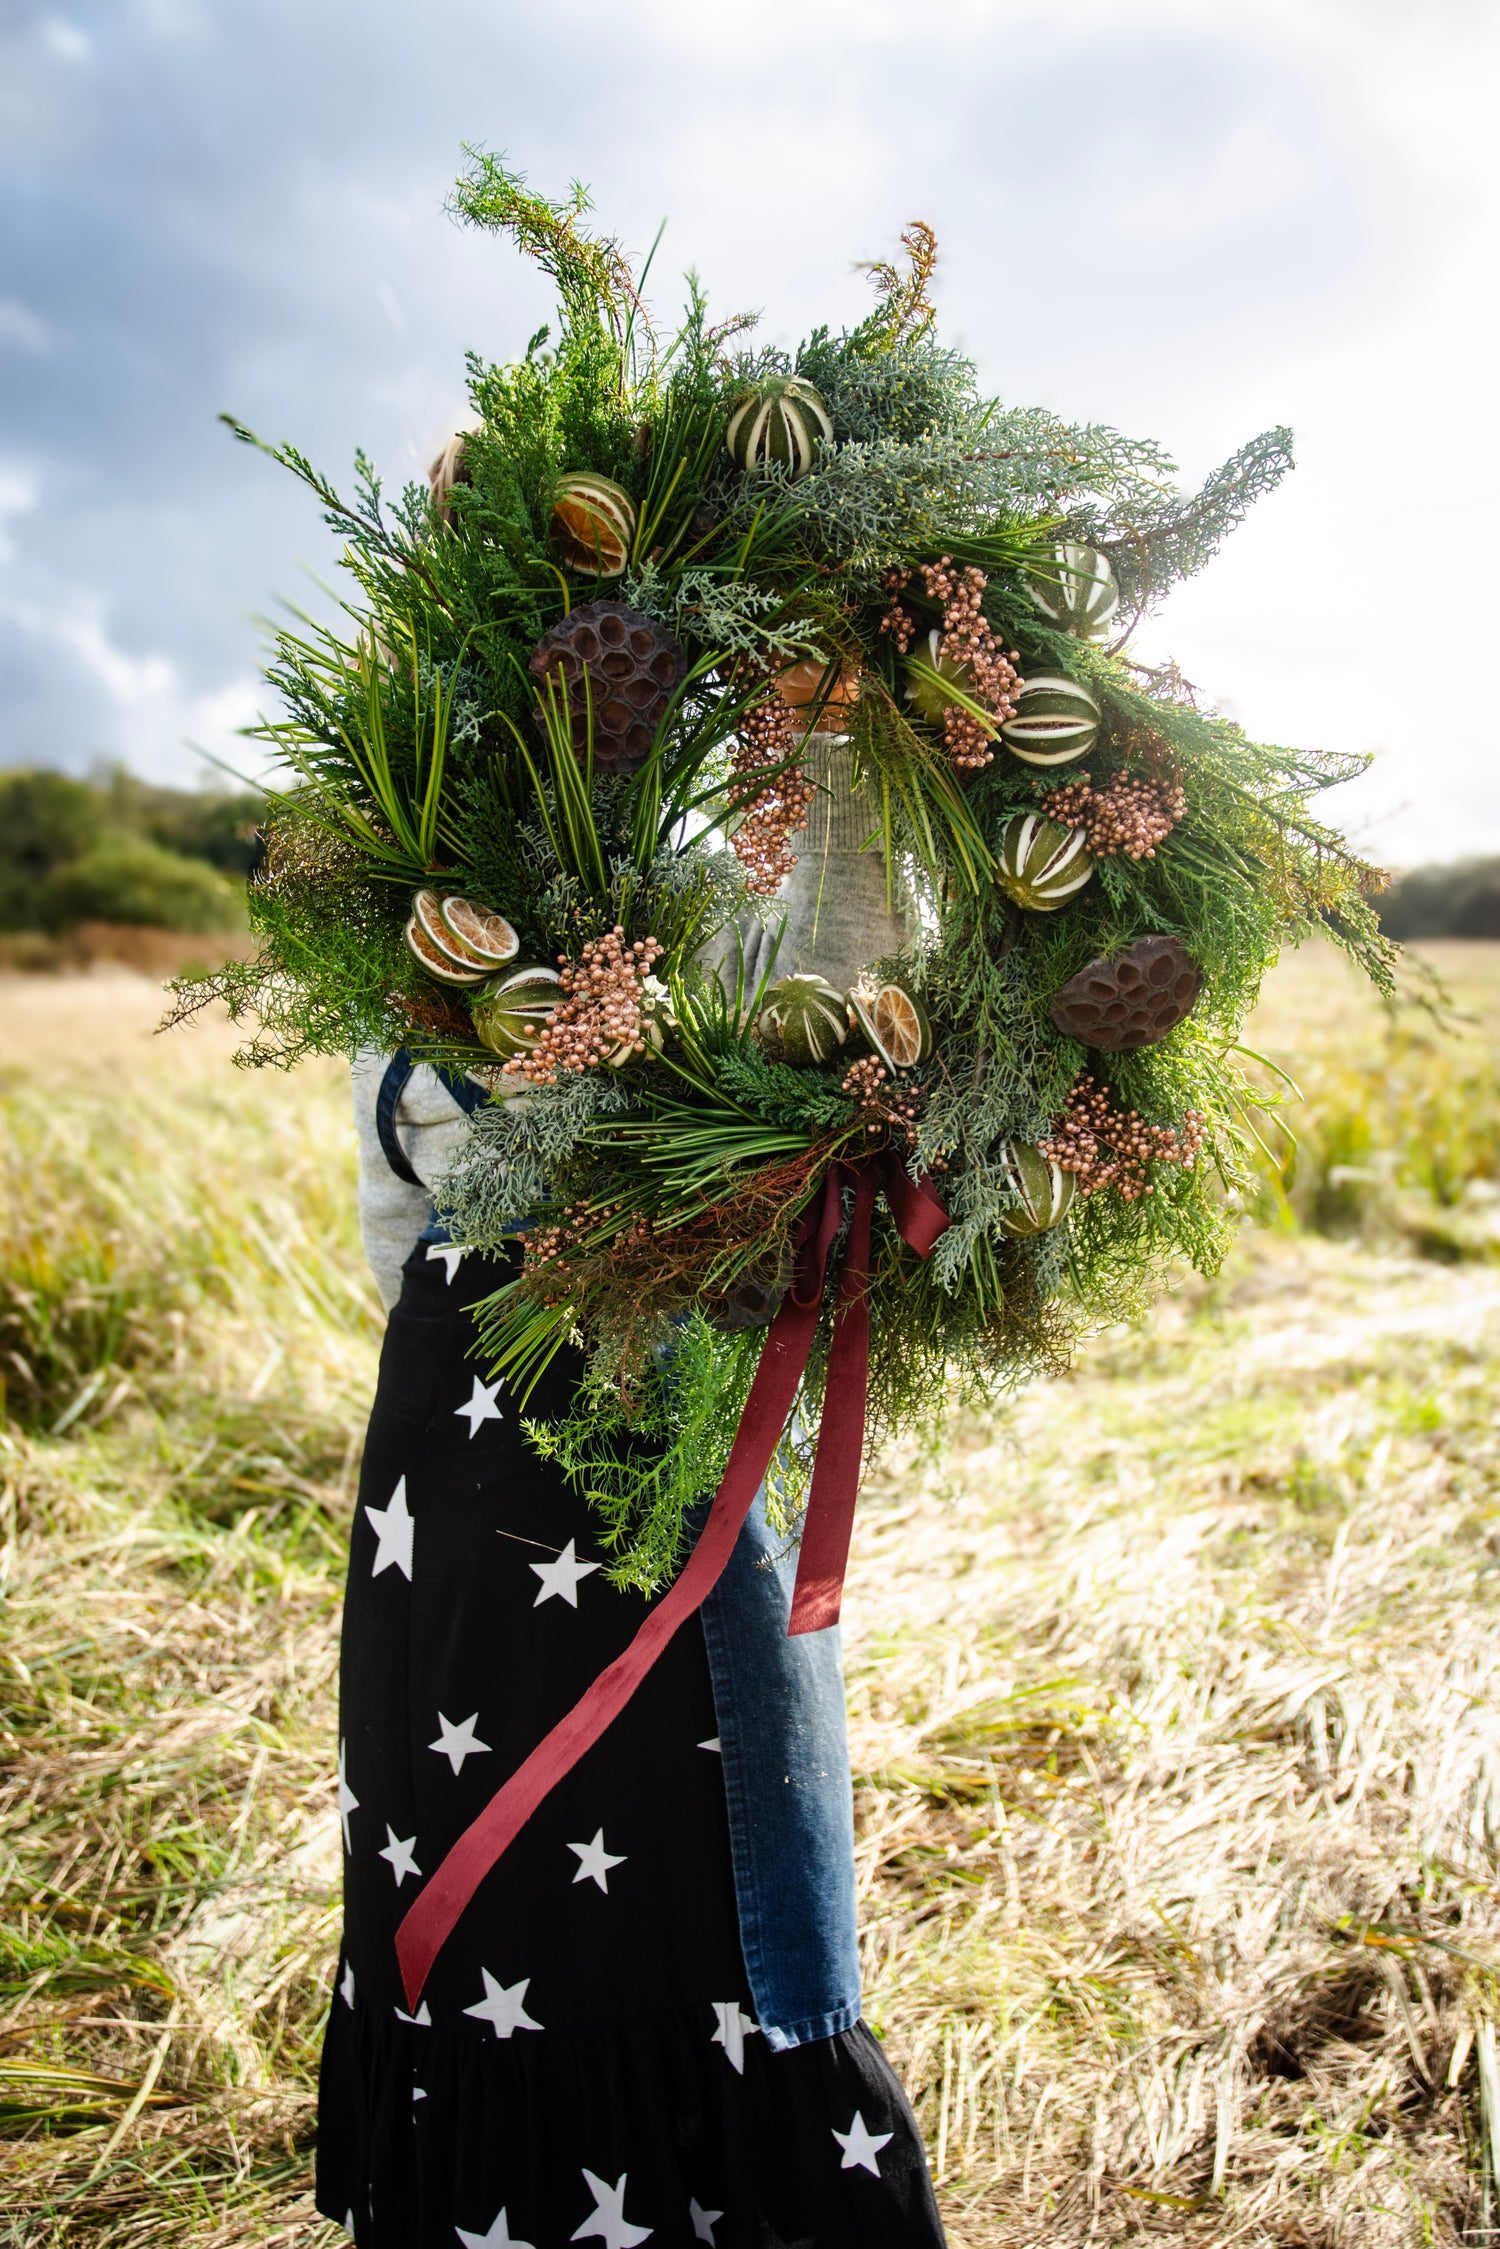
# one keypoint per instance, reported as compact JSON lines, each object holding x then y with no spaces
{"x":1174,"y":1691}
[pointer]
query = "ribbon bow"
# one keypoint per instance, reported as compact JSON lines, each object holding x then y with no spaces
{"x":920,"y":1218}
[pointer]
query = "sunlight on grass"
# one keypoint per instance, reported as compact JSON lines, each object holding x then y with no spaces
{"x":1173,"y":1689}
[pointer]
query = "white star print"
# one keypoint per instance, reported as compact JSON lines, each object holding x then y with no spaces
{"x":704,"y":2222}
{"x":458,"y":1742}
{"x":452,"y":1257}
{"x":731,"y":2032}
{"x":594,"y":1862}
{"x":498,"y":2237}
{"x":481,"y":1407}
{"x":713,"y":1744}
{"x":349,"y":2223}
{"x":861,"y":2146}
{"x":503,"y":2007}
{"x":560,"y":1579}
{"x":419,"y":2092}
{"x":400,"y":1855}
{"x":607,"y":2221}
{"x":393,"y":1529}
{"x":421,"y":2020}
{"x":346,"y":1985}
{"x":348,"y":1801}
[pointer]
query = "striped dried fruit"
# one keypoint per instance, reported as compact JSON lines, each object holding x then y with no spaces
{"x":1041,"y":864}
{"x":780,"y":423}
{"x":621,"y":668}
{"x":1078,"y":591}
{"x":931,"y":677}
{"x":593,"y":524}
{"x":514,"y":1010}
{"x":1054,"y":722}
{"x":1042,"y":1189}
{"x":804,"y":1020}
{"x":1132,"y":999}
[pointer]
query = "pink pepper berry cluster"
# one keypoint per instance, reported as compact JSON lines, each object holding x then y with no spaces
{"x":881,"y":1103}
{"x":600,"y":1013}
{"x":771,"y":815}
{"x":1107,"y":1147}
{"x":1126,"y":819}
{"x":966,"y":647}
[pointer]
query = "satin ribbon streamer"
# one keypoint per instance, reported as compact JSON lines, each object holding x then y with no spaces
{"x":920,"y":1218}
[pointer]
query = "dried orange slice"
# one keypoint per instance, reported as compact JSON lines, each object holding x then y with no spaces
{"x":895,"y":1023}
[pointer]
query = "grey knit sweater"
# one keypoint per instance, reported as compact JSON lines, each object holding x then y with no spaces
{"x":832,"y":921}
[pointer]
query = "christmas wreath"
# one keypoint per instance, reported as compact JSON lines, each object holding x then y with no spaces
{"x":552,"y":762}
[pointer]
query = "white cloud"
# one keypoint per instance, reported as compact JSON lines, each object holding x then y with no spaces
{"x":155,"y":723}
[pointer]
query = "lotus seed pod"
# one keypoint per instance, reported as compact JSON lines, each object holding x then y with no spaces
{"x":1043,"y":1190}
{"x":1078,"y":592}
{"x":1041,"y":865}
{"x":780,"y":423}
{"x":617,"y":667}
{"x":593,"y":524}
{"x":805,"y":1019}
{"x":1132,"y":999}
{"x":752,"y":1302}
{"x":1055,"y":721}
{"x":512,"y":1012}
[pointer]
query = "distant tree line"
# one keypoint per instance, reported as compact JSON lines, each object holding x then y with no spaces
{"x":123,"y":850}
{"x":1460,"y":899}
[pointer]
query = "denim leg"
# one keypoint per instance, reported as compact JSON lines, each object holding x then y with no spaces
{"x":783,"y":1737}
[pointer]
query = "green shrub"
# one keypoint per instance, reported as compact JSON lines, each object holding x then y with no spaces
{"x":1457,"y":900}
{"x":219,"y":825}
{"x":125,"y":878}
{"x":45,"y":820}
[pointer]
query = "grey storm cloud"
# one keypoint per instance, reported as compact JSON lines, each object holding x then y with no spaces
{"x":240,"y":208}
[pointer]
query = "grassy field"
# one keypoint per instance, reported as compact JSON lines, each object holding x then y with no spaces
{"x":1174,"y":1690}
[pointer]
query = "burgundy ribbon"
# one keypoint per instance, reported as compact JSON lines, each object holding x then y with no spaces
{"x":920,"y":1218}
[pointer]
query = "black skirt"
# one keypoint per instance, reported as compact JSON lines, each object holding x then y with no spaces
{"x":584,"y":2065}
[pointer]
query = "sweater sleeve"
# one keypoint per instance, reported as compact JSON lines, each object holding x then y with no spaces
{"x":431,"y":1128}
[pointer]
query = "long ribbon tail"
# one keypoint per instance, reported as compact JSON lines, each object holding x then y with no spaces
{"x":829,"y":1525}
{"x":433,"y":1915}
{"x":920,"y":1218}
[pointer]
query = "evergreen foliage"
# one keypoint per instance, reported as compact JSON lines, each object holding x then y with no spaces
{"x":652,"y":1195}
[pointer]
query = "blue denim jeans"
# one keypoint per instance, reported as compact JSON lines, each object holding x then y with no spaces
{"x":780,"y":1706}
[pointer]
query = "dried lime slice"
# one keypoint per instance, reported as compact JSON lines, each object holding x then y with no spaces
{"x":436,"y":962}
{"x":427,"y":912}
{"x":478,"y":933}
{"x":894,"y":1022}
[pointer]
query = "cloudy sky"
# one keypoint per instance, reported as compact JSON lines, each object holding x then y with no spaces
{"x":1190,"y":218}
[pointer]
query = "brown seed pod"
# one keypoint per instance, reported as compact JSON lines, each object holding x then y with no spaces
{"x":622,"y":664}
{"x":1132,"y":999}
